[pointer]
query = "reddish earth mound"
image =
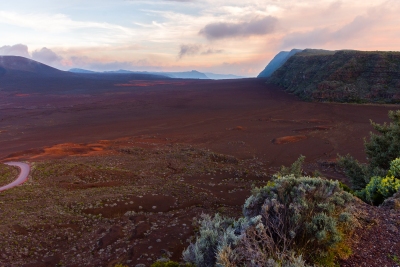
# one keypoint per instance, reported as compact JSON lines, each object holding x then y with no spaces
{"x":288,"y":139}
{"x":60,"y":151}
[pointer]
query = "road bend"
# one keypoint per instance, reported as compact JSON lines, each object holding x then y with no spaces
{"x":22,"y":177}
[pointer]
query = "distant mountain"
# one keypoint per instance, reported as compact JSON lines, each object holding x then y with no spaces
{"x":341,"y":76}
{"x":19,"y":74}
{"x":277,"y":62}
{"x":77,"y":70}
{"x":178,"y":75}
{"x":215,"y":76}
{"x":183,"y":75}
{"x":20,"y":64}
{"x":186,"y":75}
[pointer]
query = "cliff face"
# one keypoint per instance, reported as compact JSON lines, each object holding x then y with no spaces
{"x":343,"y":76}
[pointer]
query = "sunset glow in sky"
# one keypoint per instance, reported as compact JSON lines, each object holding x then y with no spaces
{"x":221,"y":36}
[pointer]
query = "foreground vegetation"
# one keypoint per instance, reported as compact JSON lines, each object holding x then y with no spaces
{"x":301,"y":221}
{"x":379,"y":178}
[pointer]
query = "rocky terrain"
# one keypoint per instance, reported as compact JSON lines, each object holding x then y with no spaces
{"x":342,"y":76}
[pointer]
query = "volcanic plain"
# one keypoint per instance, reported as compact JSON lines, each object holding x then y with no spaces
{"x":121,"y":168}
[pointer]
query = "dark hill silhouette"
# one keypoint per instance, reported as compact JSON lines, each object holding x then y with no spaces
{"x":16,"y":63}
{"x":23,"y":75}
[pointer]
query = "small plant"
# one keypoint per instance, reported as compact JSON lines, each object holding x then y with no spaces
{"x":394,"y":258}
{"x":295,"y":169}
{"x":213,"y":233}
{"x":357,"y":172}
{"x":381,"y":188}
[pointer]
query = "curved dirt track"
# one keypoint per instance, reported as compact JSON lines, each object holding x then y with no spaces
{"x":22,"y":177}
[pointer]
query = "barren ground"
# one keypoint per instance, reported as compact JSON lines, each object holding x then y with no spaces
{"x":119,"y":172}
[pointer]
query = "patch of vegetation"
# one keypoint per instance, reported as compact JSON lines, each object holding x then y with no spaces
{"x":395,"y":259}
{"x":379,"y":178}
{"x":292,"y":221}
{"x":295,"y":169}
{"x":7,"y":174}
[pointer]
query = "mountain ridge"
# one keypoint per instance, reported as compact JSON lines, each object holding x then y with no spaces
{"x":341,"y":76}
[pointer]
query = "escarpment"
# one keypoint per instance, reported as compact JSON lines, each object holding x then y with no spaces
{"x":341,"y":76}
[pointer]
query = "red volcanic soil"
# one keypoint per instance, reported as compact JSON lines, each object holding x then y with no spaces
{"x":202,"y":112}
{"x":146,"y":136}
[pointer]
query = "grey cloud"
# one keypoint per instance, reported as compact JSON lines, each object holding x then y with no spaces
{"x":15,"y":50}
{"x":194,"y":49}
{"x":256,"y":26}
{"x":46,"y":56}
{"x":189,"y":50}
{"x":212,"y":51}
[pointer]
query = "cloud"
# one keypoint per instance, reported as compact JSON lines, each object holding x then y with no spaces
{"x":15,"y":50}
{"x":212,"y":51}
{"x":195,"y":49}
{"x":322,"y":36}
{"x":256,"y":26}
{"x":46,"y":56}
{"x":189,"y":50}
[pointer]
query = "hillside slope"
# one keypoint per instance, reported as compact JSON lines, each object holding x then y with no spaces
{"x":342,"y":76}
{"x":277,"y":62}
{"x":21,"y":64}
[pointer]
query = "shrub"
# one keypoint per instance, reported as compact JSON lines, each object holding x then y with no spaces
{"x":395,"y":167}
{"x":283,"y":220}
{"x":381,"y":188}
{"x":295,"y":169}
{"x":385,"y":146}
{"x":213,"y":233}
{"x":357,"y":172}
{"x":379,"y":179}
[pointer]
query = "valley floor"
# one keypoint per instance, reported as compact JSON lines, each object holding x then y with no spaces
{"x":118,"y":174}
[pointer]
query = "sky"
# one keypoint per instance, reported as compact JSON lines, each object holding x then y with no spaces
{"x":221,"y":36}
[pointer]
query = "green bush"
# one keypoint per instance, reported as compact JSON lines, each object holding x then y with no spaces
{"x":381,"y":188}
{"x":385,"y":146}
{"x":214,"y":233}
{"x":355,"y":171}
{"x":296,"y":169}
{"x":395,"y":167}
{"x":283,"y":220}
{"x":382,"y":150}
